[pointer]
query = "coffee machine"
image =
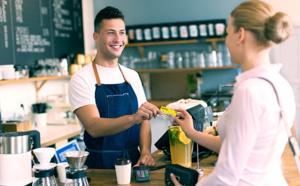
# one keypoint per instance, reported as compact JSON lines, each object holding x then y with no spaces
{"x":15,"y":157}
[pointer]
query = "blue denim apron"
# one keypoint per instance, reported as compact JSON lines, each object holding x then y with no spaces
{"x":113,"y":101}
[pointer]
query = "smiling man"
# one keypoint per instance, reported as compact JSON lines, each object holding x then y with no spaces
{"x":109,"y":100}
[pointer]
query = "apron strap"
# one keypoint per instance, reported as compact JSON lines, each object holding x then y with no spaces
{"x":96,"y":73}
{"x":123,"y":74}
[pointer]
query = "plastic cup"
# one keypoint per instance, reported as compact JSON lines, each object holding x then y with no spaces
{"x":61,"y":170}
{"x":123,"y":171}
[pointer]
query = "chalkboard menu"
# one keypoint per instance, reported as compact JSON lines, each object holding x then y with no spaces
{"x":39,"y":29}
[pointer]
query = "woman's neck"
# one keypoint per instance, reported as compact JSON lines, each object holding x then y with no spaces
{"x":254,"y":59}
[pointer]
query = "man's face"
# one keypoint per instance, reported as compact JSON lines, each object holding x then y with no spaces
{"x":111,"y":38}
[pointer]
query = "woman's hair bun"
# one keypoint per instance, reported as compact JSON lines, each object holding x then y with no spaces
{"x":278,"y":27}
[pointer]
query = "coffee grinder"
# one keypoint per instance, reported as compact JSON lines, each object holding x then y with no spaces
{"x":76,"y":172}
{"x":44,"y":171}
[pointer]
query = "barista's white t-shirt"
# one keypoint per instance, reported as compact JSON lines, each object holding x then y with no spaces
{"x":83,"y":84}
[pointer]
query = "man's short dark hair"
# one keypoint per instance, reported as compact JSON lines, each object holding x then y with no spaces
{"x":108,"y":12}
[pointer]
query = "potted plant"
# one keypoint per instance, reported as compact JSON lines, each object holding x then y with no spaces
{"x":192,"y":85}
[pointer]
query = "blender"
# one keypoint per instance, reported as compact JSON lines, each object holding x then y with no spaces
{"x":44,"y":171}
{"x":76,"y":172}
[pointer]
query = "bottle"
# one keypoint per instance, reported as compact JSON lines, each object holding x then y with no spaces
{"x":219,"y":55}
{"x":165,"y":32}
{"x":183,"y":32}
{"x":139,"y":34}
{"x":211,"y":57}
{"x":202,"y":30}
{"x":211,"y":29}
{"x":200,"y":60}
{"x":193,"y":31}
{"x":131,"y":34}
{"x":174,"y":32}
{"x":220,"y":29}
{"x":147,"y":34}
{"x":186,"y":59}
{"x":171,"y":59}
{"x":193,"y":57}
{"x":156,"y":33}
{"x":179,"y":60}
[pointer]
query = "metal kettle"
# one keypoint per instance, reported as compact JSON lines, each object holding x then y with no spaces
{"x":15,"y":156}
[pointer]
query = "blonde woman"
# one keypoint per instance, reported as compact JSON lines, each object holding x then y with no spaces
{"x":252,"y":136}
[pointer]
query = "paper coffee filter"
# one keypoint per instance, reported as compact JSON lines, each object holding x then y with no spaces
{"x":76,"y":159}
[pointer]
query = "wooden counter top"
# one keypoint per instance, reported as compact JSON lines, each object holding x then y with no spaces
{"x":52,"y":134}
{"x":108,"y":177}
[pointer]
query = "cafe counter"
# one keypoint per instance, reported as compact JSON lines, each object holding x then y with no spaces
{"x":108,"y":177}
{"x":57,"y":134}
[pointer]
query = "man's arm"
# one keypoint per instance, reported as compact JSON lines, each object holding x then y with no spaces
{"x":145,"y":144}
{"x":98,"y":127}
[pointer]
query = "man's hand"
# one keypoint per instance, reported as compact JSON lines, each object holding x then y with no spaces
{"x":146,"y":112}
{"x":147,"y":160}
{"x":174,"y":180}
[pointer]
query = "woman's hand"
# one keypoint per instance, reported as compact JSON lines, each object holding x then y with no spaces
{"x":174,"y":180}
{"x":185,"y":120}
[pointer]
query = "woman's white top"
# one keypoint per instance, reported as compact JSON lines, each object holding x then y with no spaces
{"x":252,"y":133}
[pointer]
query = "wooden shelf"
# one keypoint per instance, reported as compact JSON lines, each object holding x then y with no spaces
{"x":162,"y":43}
{"x":162,"y":70}
{"x":215,"y":39}
{"x":140,"y":46}
{"x":44,"y":78}
{"x":173,"y":42}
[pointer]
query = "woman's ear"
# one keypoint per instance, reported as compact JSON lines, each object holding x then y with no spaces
{"x":241,"y":35}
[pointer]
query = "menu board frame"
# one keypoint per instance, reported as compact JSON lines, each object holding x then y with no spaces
{"x":39,"y":29}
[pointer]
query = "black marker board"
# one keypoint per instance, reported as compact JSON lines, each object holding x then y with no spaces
{"x":39,"y":29}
